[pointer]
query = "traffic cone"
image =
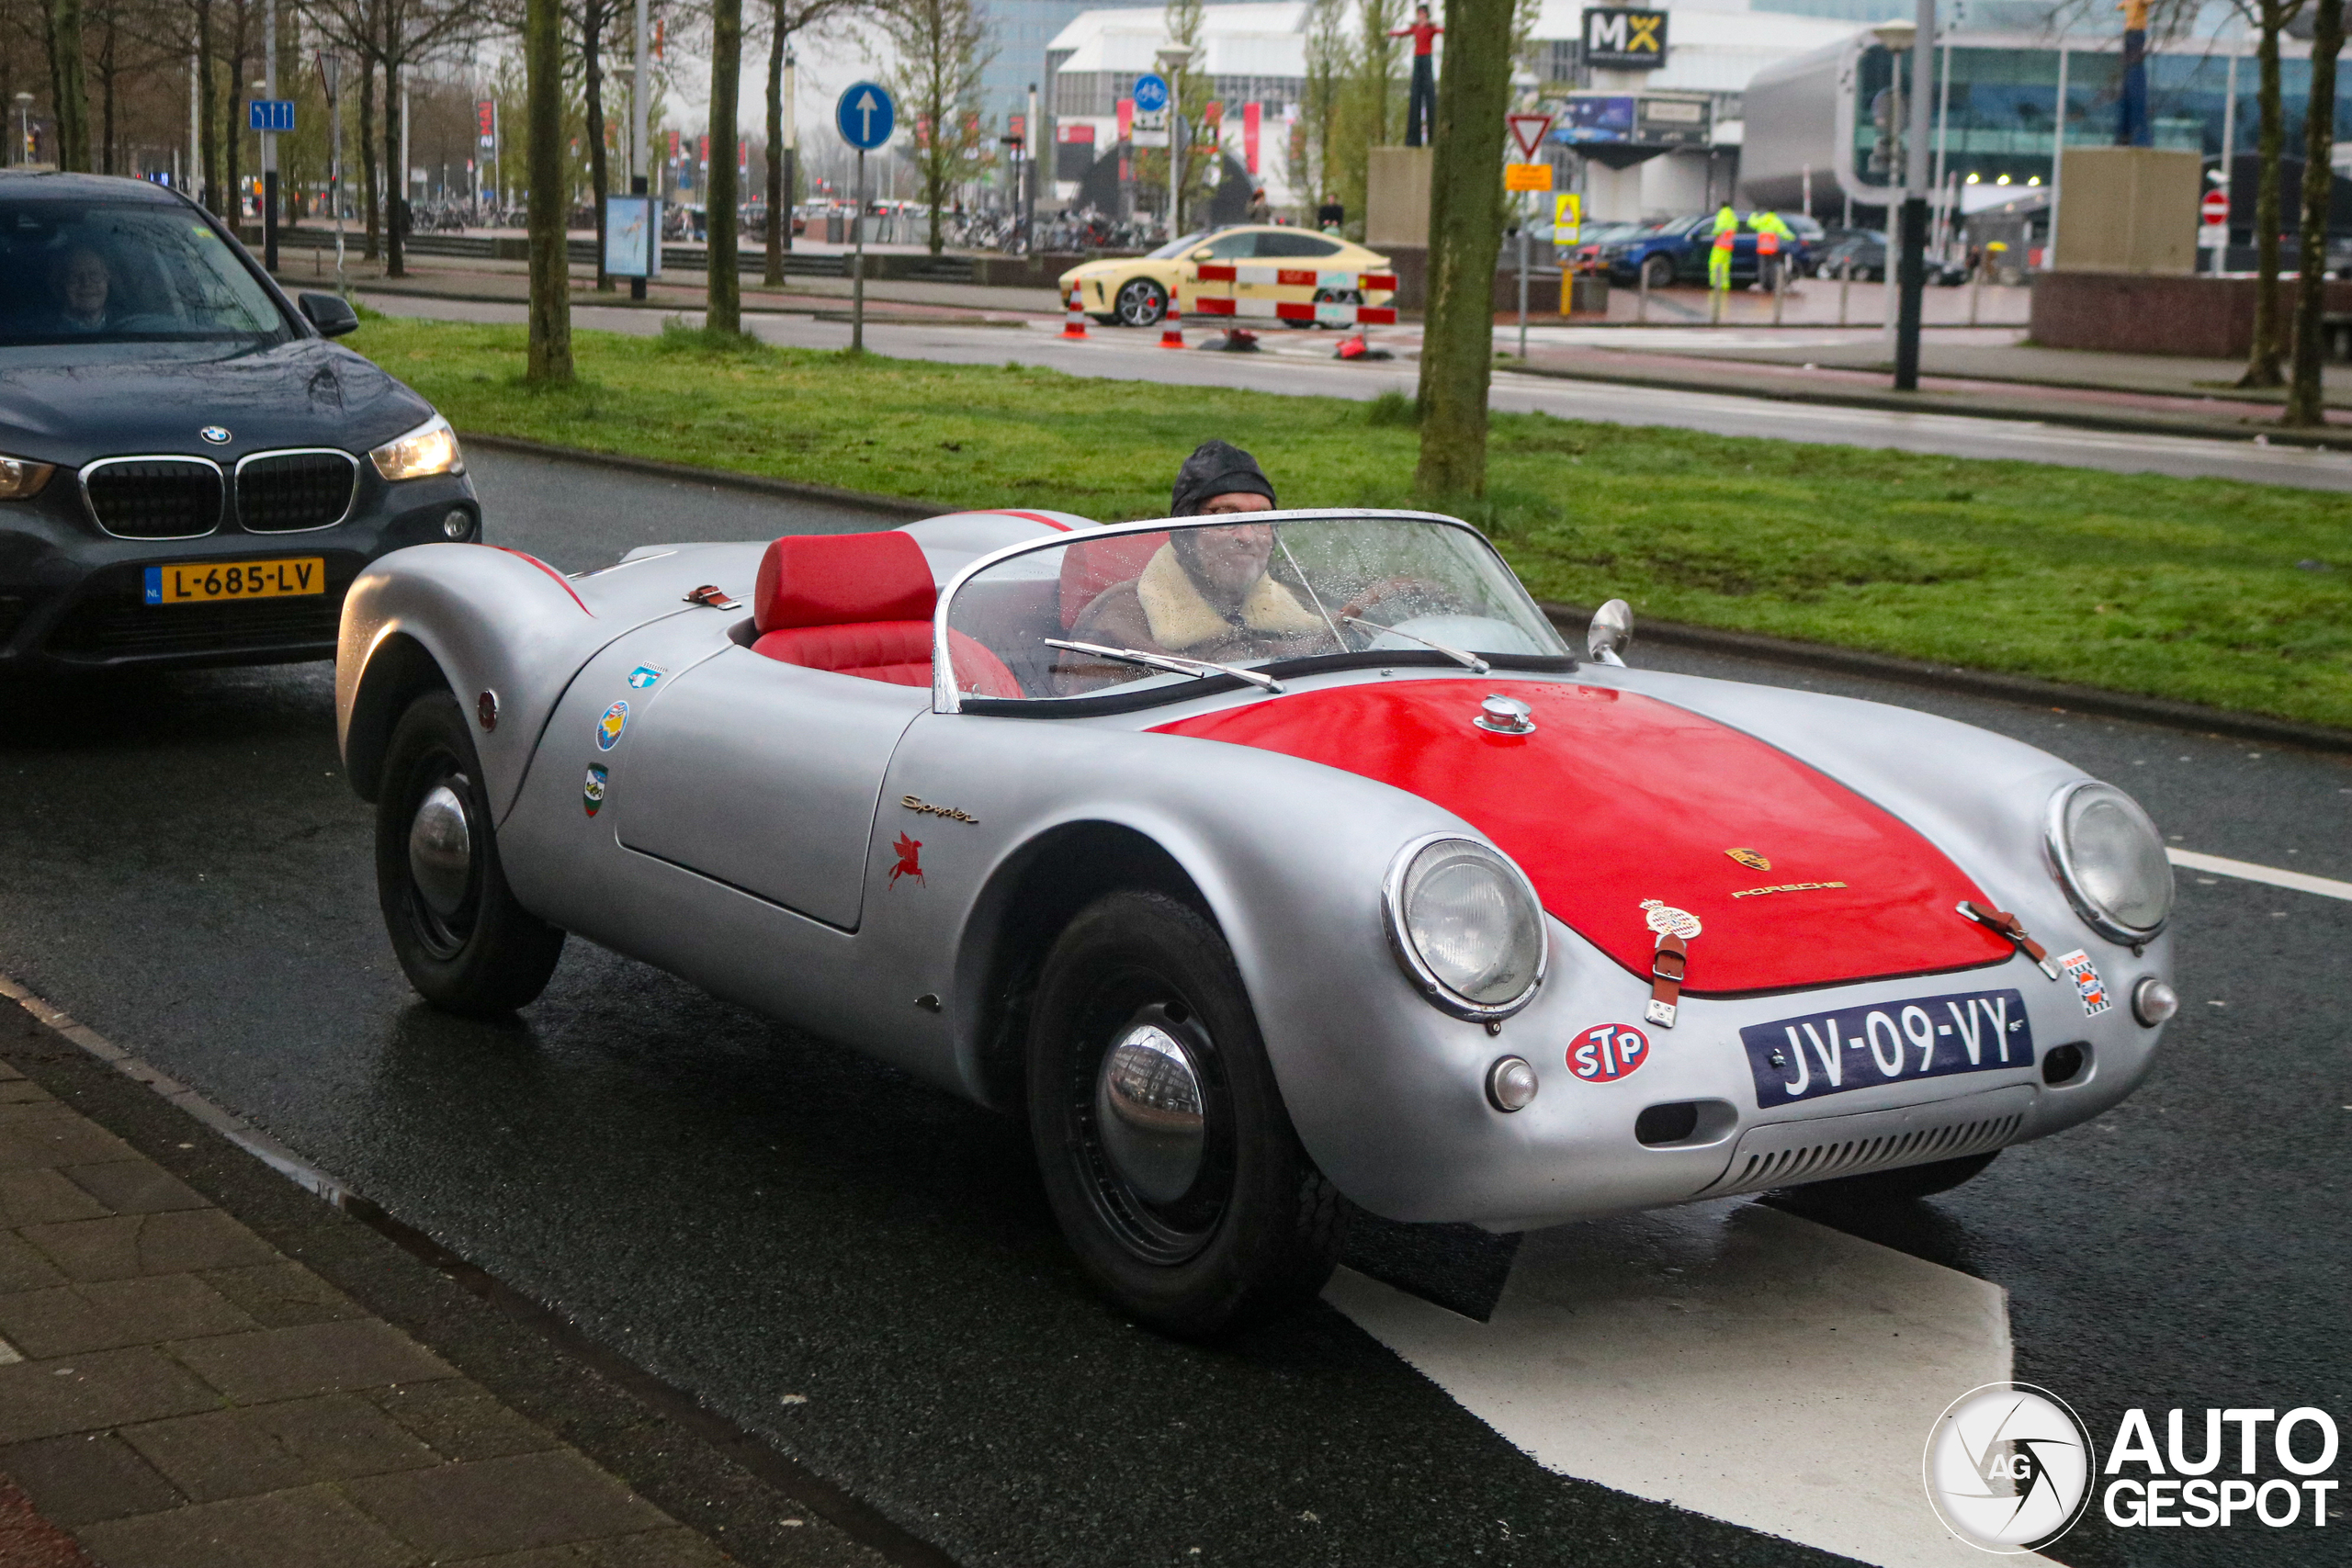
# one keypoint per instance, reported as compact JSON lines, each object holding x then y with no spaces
{"x":1075,"y":327}
{"x":1171,"y":326}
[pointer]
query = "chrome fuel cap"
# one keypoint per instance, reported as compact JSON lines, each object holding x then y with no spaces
{"x":1148,"y":1104}
{"x":441,"y":851}
{"x":1505,"y":715}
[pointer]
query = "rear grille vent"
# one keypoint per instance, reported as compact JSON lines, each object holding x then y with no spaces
{"x":281,"y":491}
{"x":153,"y":498}
{"x":1787,"y":1154}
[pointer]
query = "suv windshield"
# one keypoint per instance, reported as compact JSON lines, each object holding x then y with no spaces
{"x":116,"y":272}
{"x":1281,"y":590}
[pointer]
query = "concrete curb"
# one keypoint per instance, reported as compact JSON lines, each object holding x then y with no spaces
{"x":1572,"y":620}
{"x":1938,"y":403}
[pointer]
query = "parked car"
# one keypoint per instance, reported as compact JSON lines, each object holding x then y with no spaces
{"x":1863,"y":253}
{"x":1134,"y":291}
{"x":190,"y":473}
{"x":1373,"y":895}
{"x":1674,"y":250}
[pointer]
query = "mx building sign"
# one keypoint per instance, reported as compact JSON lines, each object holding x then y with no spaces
{"x":1621,"y":40}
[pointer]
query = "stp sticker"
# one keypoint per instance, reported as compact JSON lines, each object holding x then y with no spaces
{"x":609,"y":728}
{"x":2085,"y":974}
{"x":1607,"y":1052}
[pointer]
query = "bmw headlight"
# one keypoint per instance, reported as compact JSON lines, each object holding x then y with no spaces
{"x":21,"y":478}
{"x":430,"y":448}
{"x":1466,"y":927}
{"x":2110,"y":860}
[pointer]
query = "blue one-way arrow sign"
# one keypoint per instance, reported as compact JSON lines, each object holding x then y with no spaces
{"x":865,"y":116}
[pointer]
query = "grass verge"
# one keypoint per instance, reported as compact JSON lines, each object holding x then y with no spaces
{"x":2208,"y":590}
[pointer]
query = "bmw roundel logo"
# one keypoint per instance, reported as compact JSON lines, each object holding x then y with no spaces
{"x":216,"y":434}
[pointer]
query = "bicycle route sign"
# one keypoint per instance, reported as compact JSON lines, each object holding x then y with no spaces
{"x":1151,"y":95}
{"x":865,"y":116}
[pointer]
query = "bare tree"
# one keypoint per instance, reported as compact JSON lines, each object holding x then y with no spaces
{"x":1466,"y":231}
{"x":2305,"y":405}
{"x":941,"y":48}
{"x":71,"y":101}
{"x":550,"y":348}
{"x":723,"y":312}
{"x":785,"y":18}
{"x":593,"y":18}
{"x":2270,"y":18}
{"x":1326,"y":70}
{"x":392,"y":37}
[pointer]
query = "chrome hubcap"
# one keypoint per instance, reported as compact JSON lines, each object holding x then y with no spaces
{"x":1148,"y":1106}
{"x":441,"y":851}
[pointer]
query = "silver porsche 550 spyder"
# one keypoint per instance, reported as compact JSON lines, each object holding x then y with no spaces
{"x":1271,"y":868}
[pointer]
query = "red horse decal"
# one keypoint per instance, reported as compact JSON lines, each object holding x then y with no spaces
{"x":910,"y":859}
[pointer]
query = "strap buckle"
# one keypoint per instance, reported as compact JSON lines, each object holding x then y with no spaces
{"x":1668,"y":964}
{"x":2009,"y":925}
{"x":711,"y":594}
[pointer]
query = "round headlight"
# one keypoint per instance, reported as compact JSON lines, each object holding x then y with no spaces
{"x":2111,"y":861}
{"x":1466,"y":927}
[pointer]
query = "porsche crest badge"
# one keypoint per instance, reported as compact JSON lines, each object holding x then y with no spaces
{"x":1751,"y":859}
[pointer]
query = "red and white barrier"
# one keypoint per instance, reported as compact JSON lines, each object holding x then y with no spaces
{"x":1075,"y":327}
{"x":1231,"y":275}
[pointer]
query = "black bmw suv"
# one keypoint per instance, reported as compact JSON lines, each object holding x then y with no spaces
{"x":190,"y":473}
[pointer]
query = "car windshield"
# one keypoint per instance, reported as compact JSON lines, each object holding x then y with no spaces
{"x":1175,"y":248}
{"x":1157,"y":607}
{"x":123,"y":271}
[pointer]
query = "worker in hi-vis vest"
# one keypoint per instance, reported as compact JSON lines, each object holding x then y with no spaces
{"x":1771,"y":230}
{"x":1719,"y":259}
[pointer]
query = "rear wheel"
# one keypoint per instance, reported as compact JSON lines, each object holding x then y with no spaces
{"x":1167,"y":1155}
{"x":1902,"y":1186}
{"x":1141,"y":303}
{"x":461,"y":938}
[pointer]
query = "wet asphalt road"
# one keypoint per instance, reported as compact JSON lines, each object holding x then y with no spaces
{"x":863,"y":1269}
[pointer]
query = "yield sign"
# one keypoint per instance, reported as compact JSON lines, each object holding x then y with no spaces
{"x":1528,"y":130}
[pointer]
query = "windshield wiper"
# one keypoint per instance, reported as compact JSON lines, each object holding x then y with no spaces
{"x":1470,"y":661}
{"x":1200,"y":668}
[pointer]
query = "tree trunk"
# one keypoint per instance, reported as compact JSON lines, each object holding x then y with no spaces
{"x":779,"y":203}
{"x":72,"y":100}
{"x":550,"y":354}
{"x":2306,"y":404}
{"x":232,"y":131}
{"x":368,"y":185}
{"x":208,"y":129}
{"x":1466,"y":229}
{"x":592,"y":58}
{"x":106,"y":87}
{"x":395,"y":167}
{"x":2262,"y":359}
{"x":724,"y":312}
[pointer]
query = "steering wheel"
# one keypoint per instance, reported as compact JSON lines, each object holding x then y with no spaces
{"x":1433,"y":599}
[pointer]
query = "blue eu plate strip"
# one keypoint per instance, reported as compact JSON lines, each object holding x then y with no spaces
{"x":155,"y":585}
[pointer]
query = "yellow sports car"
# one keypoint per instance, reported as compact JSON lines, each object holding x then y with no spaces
{"x":1133,"y":291}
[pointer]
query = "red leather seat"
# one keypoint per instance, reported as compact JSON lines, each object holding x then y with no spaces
{"x":860,"y":604}
{"x":1090,"y":568}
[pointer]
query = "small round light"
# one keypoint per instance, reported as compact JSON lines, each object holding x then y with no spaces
{"x":1511,"y":1083}
{"x":2153,"y":1002}
{"x":456,"y":525}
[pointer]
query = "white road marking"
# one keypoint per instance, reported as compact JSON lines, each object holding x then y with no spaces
{"x":2246,"y":871}
{"x":1726,"y":1358}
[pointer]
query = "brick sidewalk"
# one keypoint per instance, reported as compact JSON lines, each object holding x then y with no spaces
{"x":176,"y":1393}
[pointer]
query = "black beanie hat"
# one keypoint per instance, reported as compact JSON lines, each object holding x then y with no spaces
{"x":1214,"y":468}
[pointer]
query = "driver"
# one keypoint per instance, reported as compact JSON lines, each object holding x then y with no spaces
{"x":81,"y":282}
{"x":1207,"y":593}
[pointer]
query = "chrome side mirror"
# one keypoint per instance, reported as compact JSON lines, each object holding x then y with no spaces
{"x":1612,"y":628}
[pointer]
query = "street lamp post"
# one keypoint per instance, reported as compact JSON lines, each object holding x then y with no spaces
{"x":24,"y":128}
{"x":1912,"y":268}
{"x":269,"y":139}
{"x":331,"y":78}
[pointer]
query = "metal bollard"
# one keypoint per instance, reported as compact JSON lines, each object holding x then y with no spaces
{"x":1845,"y":287}
{"x":1642,"y":308}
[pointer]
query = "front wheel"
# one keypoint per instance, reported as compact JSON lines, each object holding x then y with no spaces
{"x":1166,"y":1152}
{"x":1141,"y":303}
{"x":461,"y":938}
{"x":1657,"y":272}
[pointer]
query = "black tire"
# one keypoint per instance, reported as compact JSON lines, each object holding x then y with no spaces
{"x":1140,"y":302}
{"x":1258,"y":1230}
{"x":478,"y":953}
{"x":1657,"y":272}
{"x":1900,"y":1185}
